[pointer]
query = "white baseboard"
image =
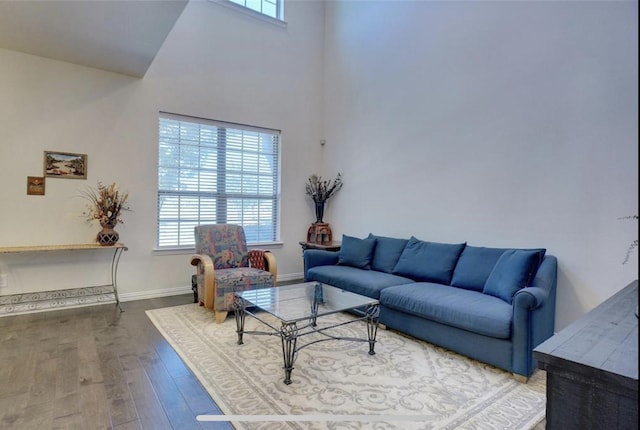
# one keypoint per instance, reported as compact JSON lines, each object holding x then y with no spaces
{"x":166,"y":292}
{"x":291,"y":277}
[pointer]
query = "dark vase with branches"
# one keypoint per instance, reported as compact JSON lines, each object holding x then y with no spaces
{"x":320,"y":191}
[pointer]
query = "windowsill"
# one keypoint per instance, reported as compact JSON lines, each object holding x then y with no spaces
{"x":250,"y":12}
{"x":192,"y":250}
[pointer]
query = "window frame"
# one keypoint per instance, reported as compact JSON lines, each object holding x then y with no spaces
{"x":279,"y":20}
{"x":220,"y":125}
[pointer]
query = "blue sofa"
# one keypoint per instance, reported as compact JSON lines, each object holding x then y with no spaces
{"x":491,"y":304}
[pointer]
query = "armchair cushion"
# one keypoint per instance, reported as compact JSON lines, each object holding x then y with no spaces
{"x":224,"y":243}
{"x":257,"y":259}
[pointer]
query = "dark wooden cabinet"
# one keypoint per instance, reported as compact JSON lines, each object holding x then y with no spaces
{"x":592,"y":367}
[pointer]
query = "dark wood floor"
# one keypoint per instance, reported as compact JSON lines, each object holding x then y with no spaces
{"x":97,"y":368}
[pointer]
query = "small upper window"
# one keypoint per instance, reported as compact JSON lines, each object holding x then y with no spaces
{"x":271,"y":8}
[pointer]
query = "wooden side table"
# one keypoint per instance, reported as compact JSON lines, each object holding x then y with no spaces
{"x":327,"y":246}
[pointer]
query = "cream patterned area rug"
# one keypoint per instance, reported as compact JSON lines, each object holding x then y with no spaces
{"x":405,"y":377}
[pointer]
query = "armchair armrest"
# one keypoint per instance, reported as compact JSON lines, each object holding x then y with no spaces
{"x":272,"y":266}
{"x":206,"y":277}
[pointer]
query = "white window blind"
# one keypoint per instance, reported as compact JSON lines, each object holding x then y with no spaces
{"x":272,"y":8}
{"x":212,"y":172}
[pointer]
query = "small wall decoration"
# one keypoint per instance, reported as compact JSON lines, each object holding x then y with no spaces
{"x":35,"y":185}
{"x":65,"y":165}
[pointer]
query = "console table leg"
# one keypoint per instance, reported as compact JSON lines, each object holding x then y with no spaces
{"x":114,"y":275}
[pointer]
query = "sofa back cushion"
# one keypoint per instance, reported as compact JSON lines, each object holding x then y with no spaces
{"x":475,"y":265}
{"x":356,"y":252}
{"x":428,"y":261}
{"x":513,"y":271}
{"x":387,"y":253}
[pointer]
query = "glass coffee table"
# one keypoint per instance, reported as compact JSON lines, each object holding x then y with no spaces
{"x":300,"y":310}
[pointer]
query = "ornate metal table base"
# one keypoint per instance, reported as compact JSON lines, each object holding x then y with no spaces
{"x":289,"y":331}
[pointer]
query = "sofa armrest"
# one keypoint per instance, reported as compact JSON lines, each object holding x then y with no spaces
{"x":542,"y":289}
{"x":530,"y":298}
{"x":534,"y":312}
{"x":206,"y":277}
{"x":318,"y":257}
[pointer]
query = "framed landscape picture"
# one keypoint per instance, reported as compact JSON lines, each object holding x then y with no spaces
{"x":65,"y":165}
{"x":35,"y":185}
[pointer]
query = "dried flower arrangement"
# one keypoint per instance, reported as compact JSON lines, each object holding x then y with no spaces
{"x":320,"y":190}
{"x":106,"y":204}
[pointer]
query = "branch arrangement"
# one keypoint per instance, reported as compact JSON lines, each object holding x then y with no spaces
{"x":320,"y":190}
{"x":634,"y":244}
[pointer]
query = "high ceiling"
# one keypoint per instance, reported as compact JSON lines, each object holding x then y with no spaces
{"x":121,"y":36}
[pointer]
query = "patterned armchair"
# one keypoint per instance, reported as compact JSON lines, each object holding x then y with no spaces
{"x":225,"y":265}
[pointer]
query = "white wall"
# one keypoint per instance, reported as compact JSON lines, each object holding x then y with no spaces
{"x":216,"y":63}
{"x":497,"y":123}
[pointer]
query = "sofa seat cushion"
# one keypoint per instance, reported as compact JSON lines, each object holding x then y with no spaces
{"x":464,"y":309}
{"x":365,"y":282}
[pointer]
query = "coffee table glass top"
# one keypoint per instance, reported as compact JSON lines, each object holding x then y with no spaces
{"x":296,"y":302}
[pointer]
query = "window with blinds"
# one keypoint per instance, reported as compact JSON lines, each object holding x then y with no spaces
{"x":212,"y":172}
{"x":271,"y":8}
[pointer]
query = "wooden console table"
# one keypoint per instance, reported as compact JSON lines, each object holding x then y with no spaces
{"x":592,"y":367}
{"x":117,"y":249}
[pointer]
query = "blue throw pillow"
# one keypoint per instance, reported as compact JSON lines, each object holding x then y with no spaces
{"x":386,"y":253}
{"x":428,"y":261}
{"x":475,"y":266}
{"x":476,"y":263}
{"x":513,"y":271}
{"x":356,"y":252}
